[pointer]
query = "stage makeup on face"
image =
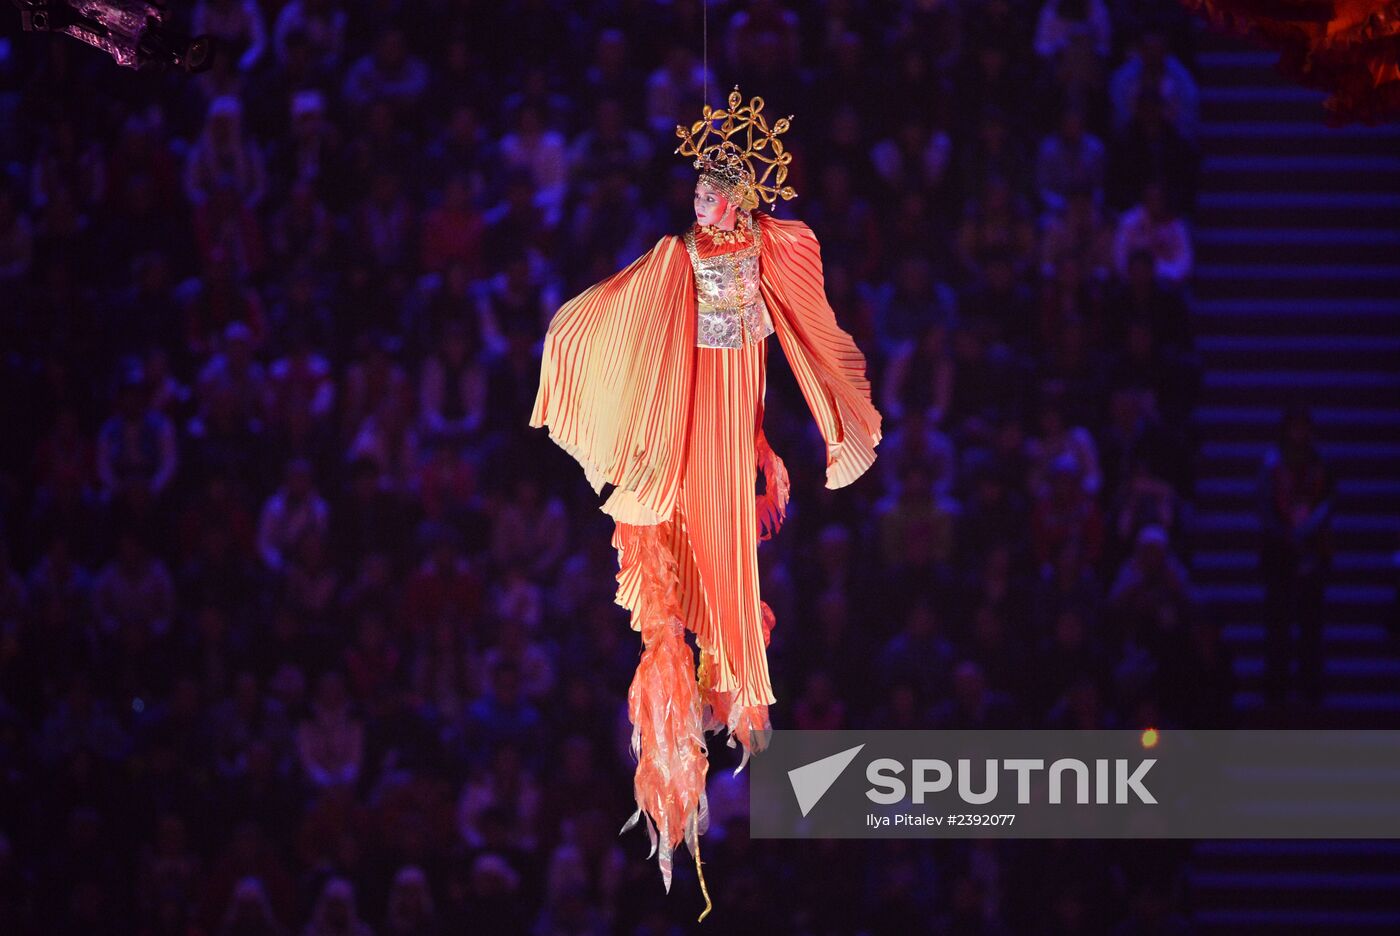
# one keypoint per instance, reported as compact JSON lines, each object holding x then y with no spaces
{"x":711,"y":207}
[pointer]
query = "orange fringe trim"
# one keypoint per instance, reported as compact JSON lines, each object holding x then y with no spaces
{"x":671,"y":706}
{"x":664,"y":705}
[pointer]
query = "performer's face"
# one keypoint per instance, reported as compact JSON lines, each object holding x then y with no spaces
{"x":711,"y":207}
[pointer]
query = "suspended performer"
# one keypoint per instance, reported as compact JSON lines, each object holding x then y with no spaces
{"x":654,"y":380}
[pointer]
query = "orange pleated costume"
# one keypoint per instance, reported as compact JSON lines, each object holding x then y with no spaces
{"x":677,"y":429}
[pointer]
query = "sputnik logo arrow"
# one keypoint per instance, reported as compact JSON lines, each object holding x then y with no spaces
{"x":811,"y":781}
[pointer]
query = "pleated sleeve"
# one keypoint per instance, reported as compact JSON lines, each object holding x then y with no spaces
{"x":829,"y":367}
{"x":616,"y":377}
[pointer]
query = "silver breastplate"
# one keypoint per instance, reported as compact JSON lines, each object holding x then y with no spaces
{"x":729,"y":304}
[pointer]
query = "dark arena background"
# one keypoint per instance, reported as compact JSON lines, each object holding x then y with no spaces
{"x":304,"y":631}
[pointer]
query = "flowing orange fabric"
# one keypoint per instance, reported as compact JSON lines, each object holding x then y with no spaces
{"x":719,"y":503}
{"x":678,"y":430}
{"x":618,"y":370}
{"x":828,"y":366}
{"x":615,"y":381}
{"x":664,"y":704}
{"x":1349,"y":48}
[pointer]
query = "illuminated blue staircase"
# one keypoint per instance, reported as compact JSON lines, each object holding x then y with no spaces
{"x":1297,"y":297}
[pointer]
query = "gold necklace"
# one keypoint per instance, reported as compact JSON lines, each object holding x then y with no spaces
{"x":719,"y":235}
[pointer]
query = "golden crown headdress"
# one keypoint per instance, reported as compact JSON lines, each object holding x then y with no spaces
{"x":745,"y":173}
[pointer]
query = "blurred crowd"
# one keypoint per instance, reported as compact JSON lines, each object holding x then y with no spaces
{"x":303,"y":630}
